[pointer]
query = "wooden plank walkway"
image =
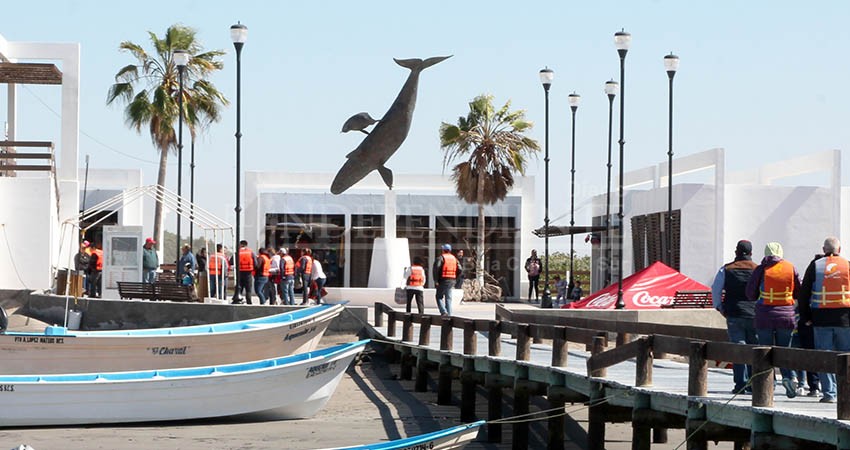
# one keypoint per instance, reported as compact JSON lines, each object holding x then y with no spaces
{"x":789,"y":421}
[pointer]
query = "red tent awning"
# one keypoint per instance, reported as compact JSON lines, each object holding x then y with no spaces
{"x":650,"y":288}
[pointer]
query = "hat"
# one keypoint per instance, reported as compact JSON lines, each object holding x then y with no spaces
{"x":773,"y":249}
{"x":86,"y":243}
{"x":150,"y":241}
{"x":744,"y":248}
{"x":446,"y":248}
{"x":188,"y":264}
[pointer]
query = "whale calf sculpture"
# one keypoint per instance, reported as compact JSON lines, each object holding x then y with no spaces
{"x":388,"y":134}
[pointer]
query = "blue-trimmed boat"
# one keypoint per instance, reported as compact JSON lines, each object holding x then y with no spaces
{"x":291,"y":387}
{"x":448,"y":439}
{"x":59,"y":350}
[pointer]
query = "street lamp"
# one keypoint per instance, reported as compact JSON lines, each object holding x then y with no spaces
{"x":239,"y":34}
{"x":181,"y":59}
{"x":611,"y":89}
{"x":671,"y":63}
{"x":546,"y":77}
{"x":574,"y":100}
{"x":622,"y":40}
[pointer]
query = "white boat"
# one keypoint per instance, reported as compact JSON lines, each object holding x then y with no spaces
{"x":291,"y":387}
{"x":448,"y":439}
{"x":59,"y":350}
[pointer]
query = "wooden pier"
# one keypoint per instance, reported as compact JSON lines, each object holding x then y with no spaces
{"x":654,"y":376}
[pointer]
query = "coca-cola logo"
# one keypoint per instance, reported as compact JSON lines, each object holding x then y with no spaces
{"x":643,"y":298}
{"x":604,"y":301}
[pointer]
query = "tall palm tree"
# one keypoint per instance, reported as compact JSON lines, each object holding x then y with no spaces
{"x":151,"y":86}
{"x":491,"y":147}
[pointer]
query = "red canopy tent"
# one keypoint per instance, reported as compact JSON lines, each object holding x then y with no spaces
{"x":650,"y":288}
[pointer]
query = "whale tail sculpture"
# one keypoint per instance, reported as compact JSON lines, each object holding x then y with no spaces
{"x":387,"y":136}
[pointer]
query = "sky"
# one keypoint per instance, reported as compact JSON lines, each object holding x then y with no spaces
{"x":762,"y":79}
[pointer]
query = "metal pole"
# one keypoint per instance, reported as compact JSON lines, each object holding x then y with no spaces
{"x":571,"y":281}
{"x":238,"y":208}
{"x":179,"y":163}
{"x":608,"y":249}
{"x":669,"y":221}
{"x":546,"y":301}
{"x":622,"y":142}
{"x":192,"y":195}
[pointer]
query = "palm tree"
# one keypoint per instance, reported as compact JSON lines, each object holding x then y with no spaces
{"x":150,"y":89}
{"x":492,"y":147}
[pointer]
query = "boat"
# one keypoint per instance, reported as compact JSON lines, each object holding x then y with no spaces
{"x":59,"y":350}
{"x":290,"y":387}
{"x":447,"y":439}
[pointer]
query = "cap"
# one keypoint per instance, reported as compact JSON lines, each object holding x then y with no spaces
{"x":744,"y":247}
{"x":150,"y":241}
{"x":447,"y":247}
{"x":187,"y":265}
{"x":773,"y":249}
{"x":86,"y":243}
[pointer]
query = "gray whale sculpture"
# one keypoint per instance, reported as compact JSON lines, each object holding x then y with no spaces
{"x":388,"y":135}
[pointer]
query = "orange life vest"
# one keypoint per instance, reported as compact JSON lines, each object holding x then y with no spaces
{"x":99,"y":253}
{"x":266,"y":265}
{"x":449,"y":266}
{"x":831,"y":288}
{"x":417,"y":276}
{"x":306,"y":264}
{"x":288,"y":265}
{"x":778,"y":285}
{"x":218,"y":264}
{"x":246,"y":260}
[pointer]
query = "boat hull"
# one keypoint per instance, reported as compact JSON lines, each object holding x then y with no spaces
{"x":293,"y":387}
{"x":454,"y":438}
{"x":195,"y":346}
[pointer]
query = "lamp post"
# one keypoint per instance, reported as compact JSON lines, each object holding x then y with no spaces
{"x":611,"y":89}
{"x":546,"y":77}
{"x":574,"y":100}
{"x":622,"y":40}
{"x":239,"y":34}
{"x":671,"y":63}
{"x":181,"y":59}
{"x":192,"y":193}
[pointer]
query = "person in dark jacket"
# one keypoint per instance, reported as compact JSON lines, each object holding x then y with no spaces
{"x":825,"y":304}
{"x":738,"y":310}
{"x":774,"y":285}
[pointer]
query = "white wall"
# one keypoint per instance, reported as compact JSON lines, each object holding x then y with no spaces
{"x":28,"y":232}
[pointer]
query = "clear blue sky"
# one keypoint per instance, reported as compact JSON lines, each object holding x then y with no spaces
{"x":763,"y":79}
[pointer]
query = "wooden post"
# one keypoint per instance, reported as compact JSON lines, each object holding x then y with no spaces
{"x":390,"y":323}
{"x":467,"y":391}
{"x":596,"y":417}
{"x":470,"y":343}
{"x":421,"y":384}
{"x":842,"y":384}
{"x":696,"y":438}
{"x":424,"y":329}
{"x":446,"y":334}
{"x":494,"y":405}
{"x":559,"y":347}
{"x":641,"y":432}
{"x":623,"y":338}
{"x":494,"y":338}
{"x":519,"y":430}
{"x":599,"y":343}
{"x":697,"y":370}
{"x":659,"y":435}
{"x":444,"y":381}
{"x":407,"y":362}
{"x":407,"y":327}
{"x":643,"y":362}
{"x":555,"y":436}
{"x":523,"y":342}
{"x":762,"y":377}
{"x":535,"y":334}
{"x":379,"y":315}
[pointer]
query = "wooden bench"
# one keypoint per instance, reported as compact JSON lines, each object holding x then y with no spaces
{"x":691,"y":299}
{"x":160,"y":290}
{"x":135,"y":289}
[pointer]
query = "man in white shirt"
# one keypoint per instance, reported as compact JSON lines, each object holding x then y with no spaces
{"x":318,"y":277}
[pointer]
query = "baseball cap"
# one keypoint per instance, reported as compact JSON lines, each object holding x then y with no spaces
{"x":744,"y":247}
{"x":447,"y":247}
{"x":86,"y":243}
{"x":150,"y":241}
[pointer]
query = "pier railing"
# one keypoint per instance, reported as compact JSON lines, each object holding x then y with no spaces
{"x":641,"y":341}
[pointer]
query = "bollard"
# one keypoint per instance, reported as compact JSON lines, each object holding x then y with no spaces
{"x":424,"y":330}
{"x":762,"y":378}
{"x":523,"y":342}
{"x":379,"y":315}
{"x":470,"y":343}
{"x":598,"y":346}
{"x":391,"y":323}
{"x":494,"y":338}
{"x":697,"y":370}
{"x":559,"y":348}
{"x":446,"y":334}
{"x":407,"y":327}
{"x":643,"y":362}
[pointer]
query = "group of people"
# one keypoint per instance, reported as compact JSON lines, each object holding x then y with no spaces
{"x":88,"y":263}
{"x":568,"y":290}
{"x":448,"y":275}
{"x":768,"y":304}
{"x":276,"y":274}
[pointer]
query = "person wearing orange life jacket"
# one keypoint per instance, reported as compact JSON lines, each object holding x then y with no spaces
{"x":245,"y":264}
{"x":219,"y":267}
{"x":446,"y":270}
{"x":261,"y":277}
{"x":304,"y":269}
{"x":96,"y":270}
{"x":825,"y":304}
{"x":774,"y":285}
{"x":287,"y":277}
{"x":415,"y":285}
